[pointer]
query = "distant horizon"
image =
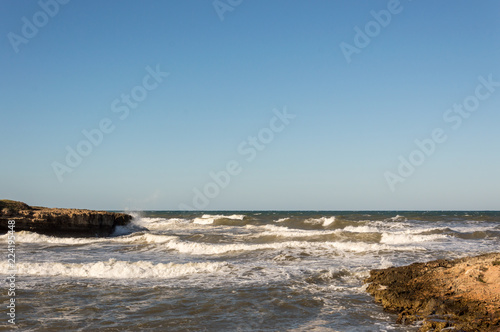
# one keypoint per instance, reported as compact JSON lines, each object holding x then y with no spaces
{"x":245,"y":210}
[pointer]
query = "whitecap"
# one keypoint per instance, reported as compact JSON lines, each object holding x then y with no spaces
{"x":113,"y":269}
{"x":324,"y":221}
{"x":208,"y":219}
{"x":280,"y":231}
{"x":197,"y":248}
{"x":159,"y":223}
{"x":405,"y":238}
{"x":361,"y":229}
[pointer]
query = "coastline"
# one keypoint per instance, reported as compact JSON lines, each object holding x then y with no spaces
{"x":462,"y":294}
{"x":60,"y":222}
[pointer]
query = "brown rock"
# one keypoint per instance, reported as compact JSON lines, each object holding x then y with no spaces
{"x":463,"y":293}
{"x":60,"y":222}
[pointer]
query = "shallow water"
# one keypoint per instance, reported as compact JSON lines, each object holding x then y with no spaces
{"x":233,"y":271}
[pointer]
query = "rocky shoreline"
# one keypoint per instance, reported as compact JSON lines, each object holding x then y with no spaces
{"x":60,"y":222}
{"x":458,"y":295}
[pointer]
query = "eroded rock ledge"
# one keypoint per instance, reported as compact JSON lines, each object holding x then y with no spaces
{"x":462,"y":294}
{"x":60,"y":222}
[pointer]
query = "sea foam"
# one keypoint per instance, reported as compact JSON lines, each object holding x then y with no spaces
{"x":405,"y":238}
{"x":113,"y":269}
{"x":285,"y":232}
{"x":198,"y":248}
{"x":324,"y":221}
{"x":208,"y":219}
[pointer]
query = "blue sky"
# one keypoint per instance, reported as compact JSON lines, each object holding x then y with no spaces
{"x":227,"y":80}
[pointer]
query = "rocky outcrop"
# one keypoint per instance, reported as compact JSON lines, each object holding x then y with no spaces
{"x":462,"y":294}
{"x":60,"y":222}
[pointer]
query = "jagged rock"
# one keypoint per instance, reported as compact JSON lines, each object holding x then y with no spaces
{"x":462,"y":294}
{"x":60,"y":222}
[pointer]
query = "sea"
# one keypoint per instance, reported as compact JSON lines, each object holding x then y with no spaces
{"x":232,"y":270}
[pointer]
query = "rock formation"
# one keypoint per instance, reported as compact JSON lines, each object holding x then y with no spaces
{"x":462,"y":294}
{"x":60,"y":222}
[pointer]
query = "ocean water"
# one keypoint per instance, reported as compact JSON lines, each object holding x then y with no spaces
{"x":232,"y":271}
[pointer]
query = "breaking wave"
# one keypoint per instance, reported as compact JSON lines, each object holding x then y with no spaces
{"x":114,"y":269}
{"x":208,"y":219}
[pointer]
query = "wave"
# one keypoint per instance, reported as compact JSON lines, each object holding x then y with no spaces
{"x":304,"y":239}
{"x":362,"y":229}
{"x":113,"y":269}
{"x":144,"y":238}
{"x":397,"y":218}
{"x":328,"y":221}
{"x":196,"y":248}
{"x":208,"y":219}
{"x":285,"y":232}
{"x":383,"y":228}
{"x":405,"y":238}
{"x":170,"y":242}
{"x":324,"y":221}
{"x":158,"y":223}
{"x":472,"y":229}
{"x":31,"y":237}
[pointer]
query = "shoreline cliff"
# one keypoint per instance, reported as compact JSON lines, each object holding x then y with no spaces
{"x":60,"y":222}
{"x":461,"y":294}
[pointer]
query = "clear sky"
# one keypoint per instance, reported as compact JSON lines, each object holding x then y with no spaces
{"x":301,"y":105}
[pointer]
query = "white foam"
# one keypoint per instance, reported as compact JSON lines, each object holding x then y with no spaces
{"x":272,"y":230}
{"x":221,"y":216}
{"x":324,"y":221}
{"x":135,"y":214}
{"x":203,"y":221}
{"x":145,"y":239}
{"x":208,"y":219}
{"x":362,"y":229}
{"x":360,"y":247}
{"x":405,"y":238}
{"x":282,"y":219}
{"x":149,"y":220}
{"x":30,"y":237}
{"x":113,"y":269}
{"x":328,"y":221}
{"x":160,"y":223}
{"x":385,"y":263}
{"x":398,"y":218}
{"x":197,"y":248}
{"x":388,"y":228}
